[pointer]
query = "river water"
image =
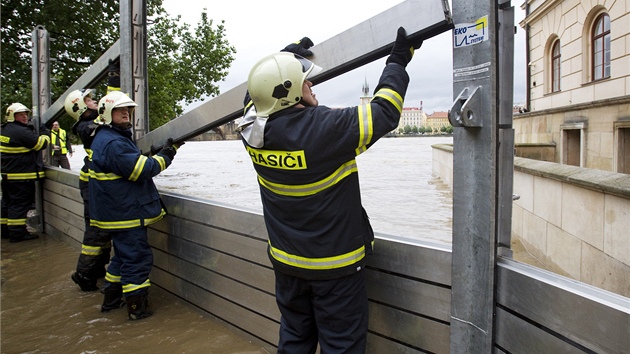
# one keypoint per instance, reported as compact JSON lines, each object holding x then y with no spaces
{"x":399,"y":191}
{"x":43,"y":311}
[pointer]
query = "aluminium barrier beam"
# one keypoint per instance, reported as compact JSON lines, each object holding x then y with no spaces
{"x":337,"y":55}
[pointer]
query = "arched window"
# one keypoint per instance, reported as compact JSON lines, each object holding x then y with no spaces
{"x":555,"y":67}
{"x":601,"y":47}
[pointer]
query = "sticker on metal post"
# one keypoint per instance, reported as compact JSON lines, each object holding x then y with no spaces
{"x":467,"y":34}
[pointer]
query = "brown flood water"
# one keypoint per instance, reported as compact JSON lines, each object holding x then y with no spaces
{"x":43,"y":311}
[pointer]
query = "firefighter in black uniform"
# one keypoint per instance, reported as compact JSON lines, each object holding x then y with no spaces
{"x":21,"y":166}
{"x":319,"y":233}
{"x":96,"y":246}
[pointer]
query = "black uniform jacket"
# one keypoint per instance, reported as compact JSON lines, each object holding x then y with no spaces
{"x":309,"y":181}
{"x":19,"y":149}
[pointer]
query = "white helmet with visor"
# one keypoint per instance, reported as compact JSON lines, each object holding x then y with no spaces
{"x":114,"y":99}
{"x":75,"y":103}
{"x":13,"y":109}
{"x":275,"y":82}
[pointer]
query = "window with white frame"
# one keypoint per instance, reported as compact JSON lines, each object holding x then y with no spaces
{"x":601,"y":47}
{"x":555,"y":66}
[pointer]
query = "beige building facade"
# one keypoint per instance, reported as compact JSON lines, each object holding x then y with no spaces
{"x":437,"y":120}
{"x":413,"y":117}
{"x":578,"y":82}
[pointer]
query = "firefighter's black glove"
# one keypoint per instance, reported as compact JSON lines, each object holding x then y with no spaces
{"x":113,"y":74}
{"x":300,"y":47}
{"x":43,"y":130}
{"x":170,"y":149}
{"x":403,"y":49}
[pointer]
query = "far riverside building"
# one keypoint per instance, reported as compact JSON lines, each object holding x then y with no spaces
{"x":578,"y":75}
{"x":413,"y":116}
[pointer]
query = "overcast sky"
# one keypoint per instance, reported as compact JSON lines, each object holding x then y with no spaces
{"x":258,"y":28}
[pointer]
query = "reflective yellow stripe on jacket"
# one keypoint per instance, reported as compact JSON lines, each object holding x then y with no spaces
{"x":41,"y":141}
{"x":335,"y":262}
{"x":365,"y":127}
{"x":25,"y":175}
{"x":141,"y":162}
{"x":85,"y":176}
{"x":13,"y":150}
{"x":100,"y":176}
{"x":300,"y":190}
{"x":365,"y":117}
{"x":126,"y":224}
{"x":392,"y":96}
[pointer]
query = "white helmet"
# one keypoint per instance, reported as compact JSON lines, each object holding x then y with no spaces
{"x":15,"y":108}
{"x":275,"y":82}
{"x":75,"y":102}
{"x":114,"y":99}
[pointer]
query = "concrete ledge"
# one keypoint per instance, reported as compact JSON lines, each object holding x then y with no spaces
{"x":601,"y":181}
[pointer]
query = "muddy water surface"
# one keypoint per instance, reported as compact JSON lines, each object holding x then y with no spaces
{"x":43,"y":311}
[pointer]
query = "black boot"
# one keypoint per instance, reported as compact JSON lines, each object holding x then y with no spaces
{"x":113,"y":297}
{"x":84,"y":282}
{"x":138,"y":306}
{"x":24,"y":237}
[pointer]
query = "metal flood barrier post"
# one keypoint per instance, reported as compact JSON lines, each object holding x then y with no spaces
{"x":423,"y":297}
{"x":474,"y":116}
{"x":133,"y":61}
{"x":40,"y":60}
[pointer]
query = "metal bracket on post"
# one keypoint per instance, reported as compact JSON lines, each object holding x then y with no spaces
{"x":467,"y":110}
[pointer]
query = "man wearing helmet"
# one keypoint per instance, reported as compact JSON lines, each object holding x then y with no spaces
{"x":21,"y":166}
{"x":319,"y":233}
{"x":96,"y":245}
{"x":124,"y":201}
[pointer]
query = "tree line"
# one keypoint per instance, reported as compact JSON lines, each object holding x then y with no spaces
{"x":184,"y":63}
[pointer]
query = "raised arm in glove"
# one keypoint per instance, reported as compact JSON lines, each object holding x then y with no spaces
{"x":300,"y":47}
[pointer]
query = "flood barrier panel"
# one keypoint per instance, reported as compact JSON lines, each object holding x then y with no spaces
{"x":213,"y":256}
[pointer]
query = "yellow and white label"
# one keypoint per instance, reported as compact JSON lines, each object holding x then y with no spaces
{"x":284,"y":160}
{"x":467,"y":34}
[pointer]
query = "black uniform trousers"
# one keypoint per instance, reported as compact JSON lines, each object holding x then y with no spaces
{"x":18,"y":197}
{"x":132,"y":261}
{"x":97,"y":244}
{"x":332,"y":312}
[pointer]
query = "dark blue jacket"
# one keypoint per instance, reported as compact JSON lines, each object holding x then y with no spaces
{"x":309,"y":182}
{"x":122,"y":192}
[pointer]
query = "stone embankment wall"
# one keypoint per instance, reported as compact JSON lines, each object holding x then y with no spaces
{"x":575,"y":221}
